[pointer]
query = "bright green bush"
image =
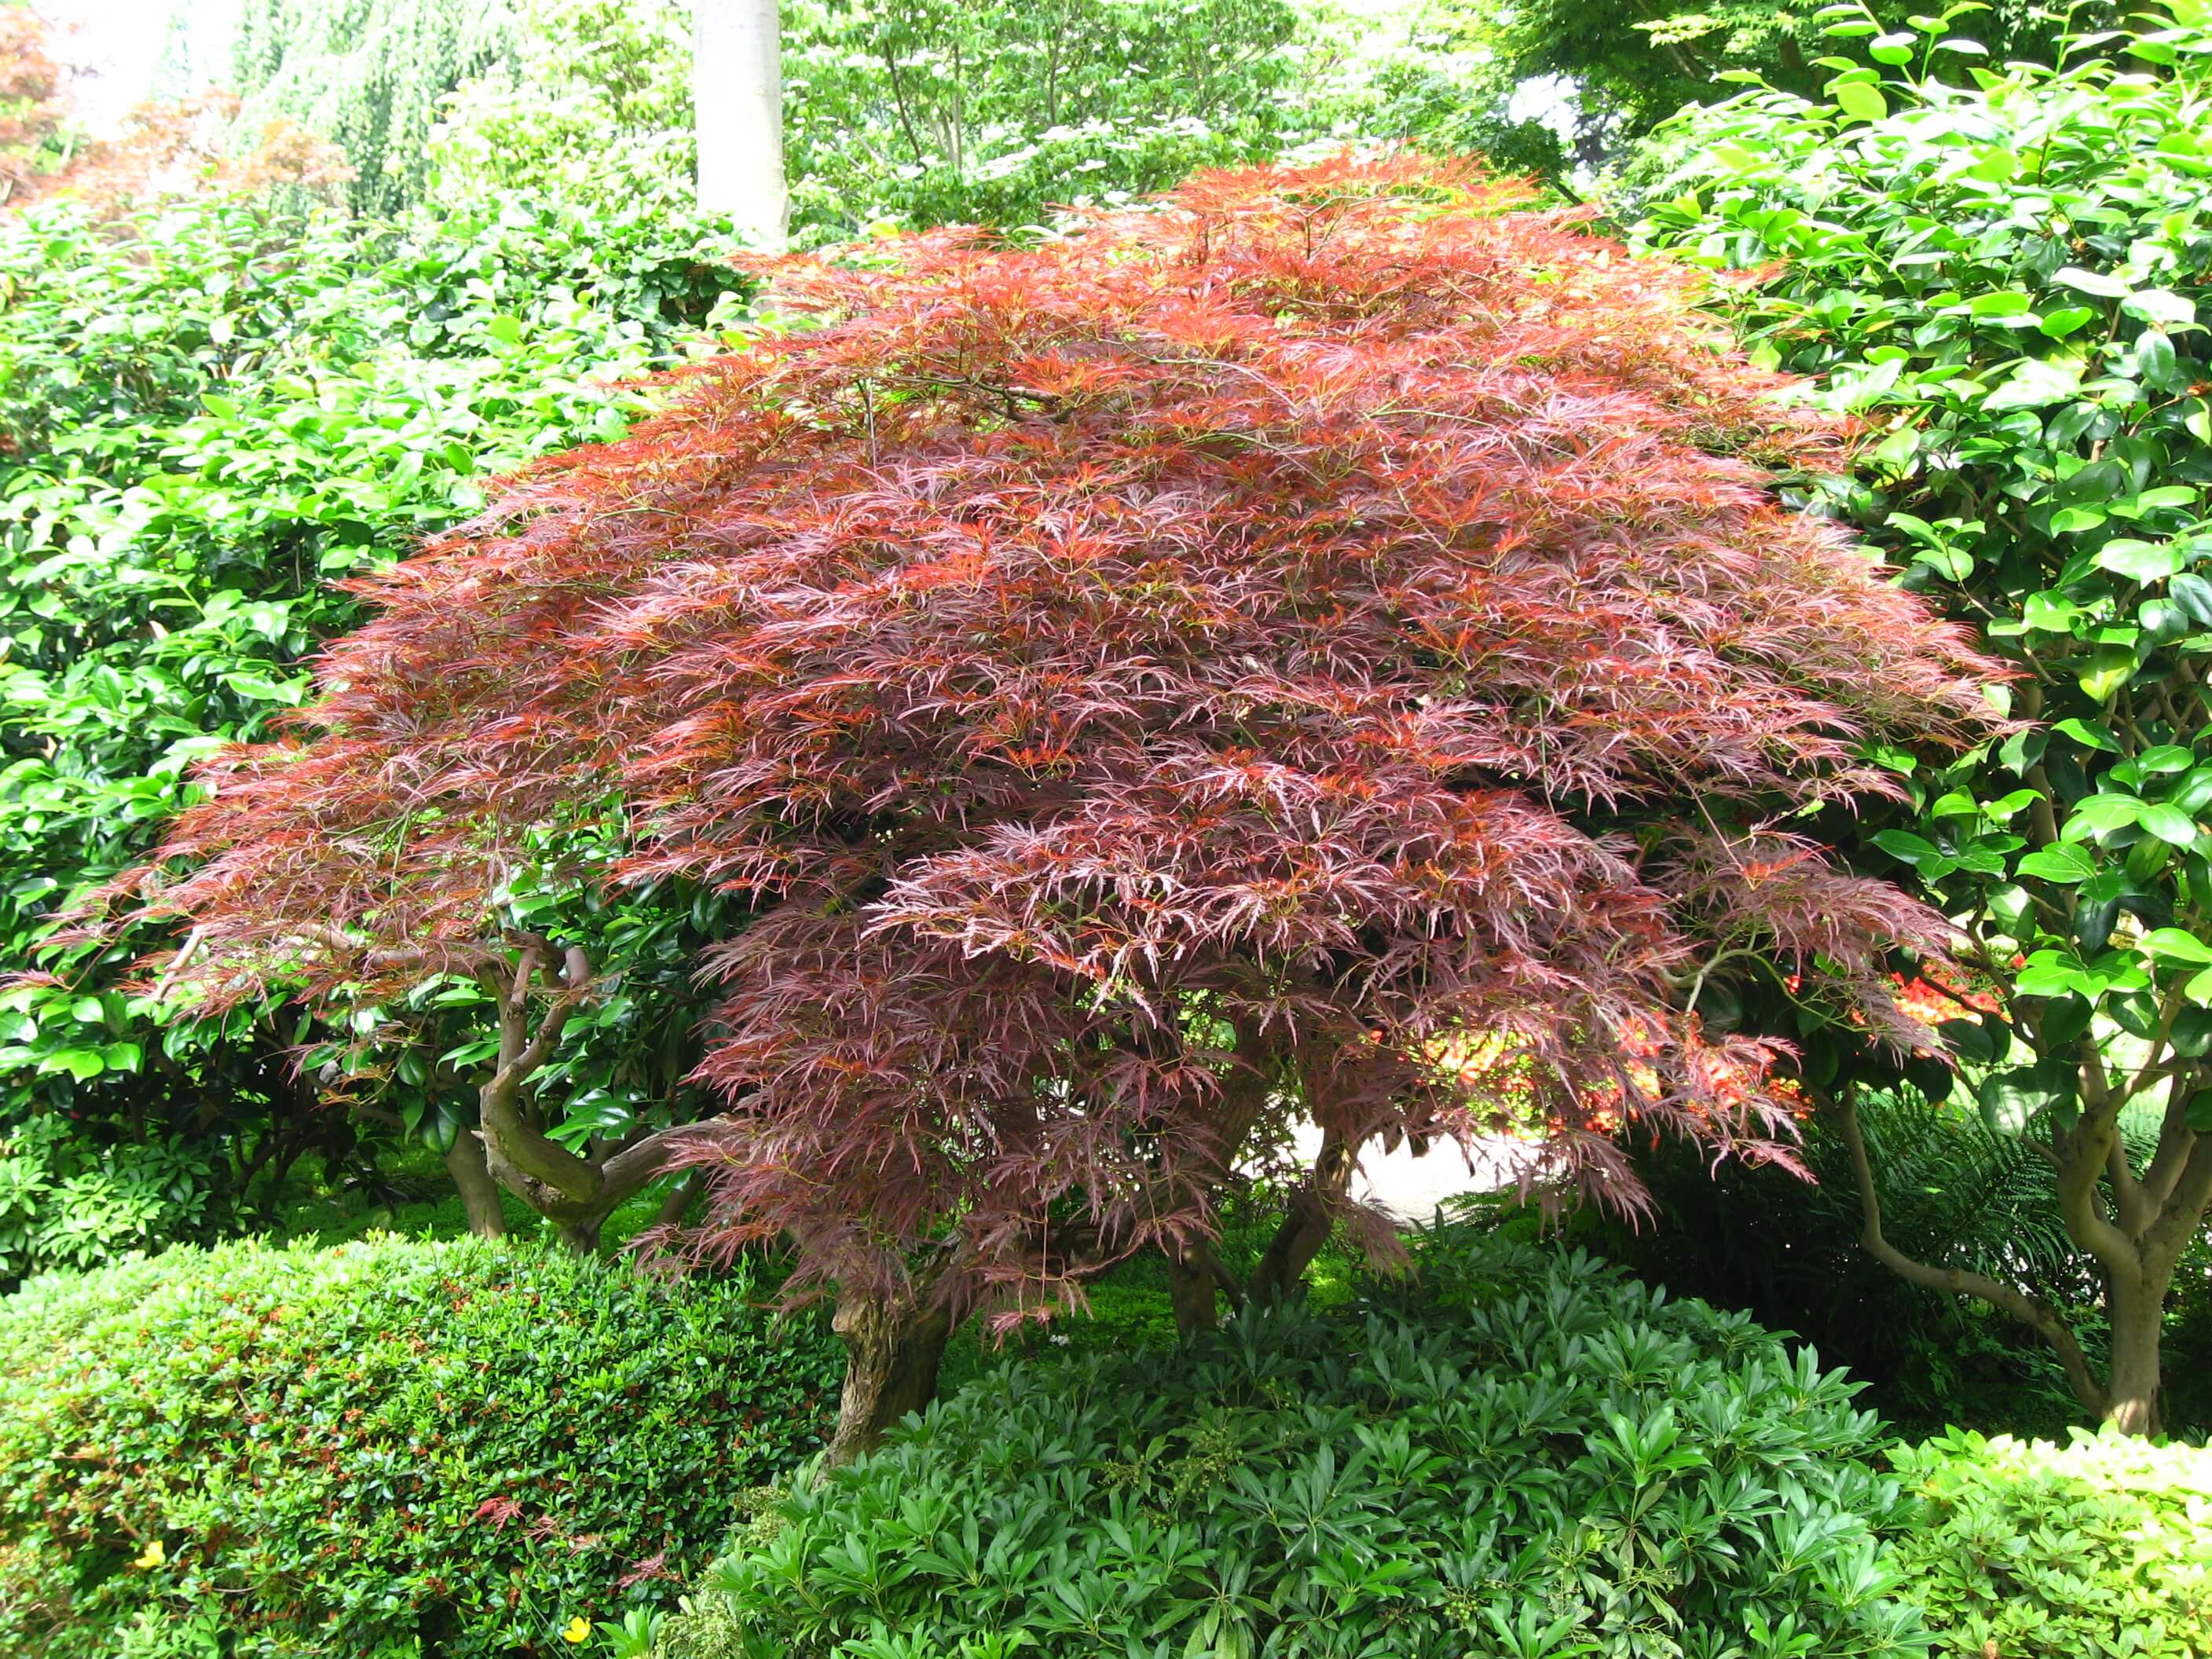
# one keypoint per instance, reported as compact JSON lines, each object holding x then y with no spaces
{"x":457,"y":1445}
{"x":2004,"y":273}
{"x":210,"y":415}
{"x":1514,"y":1453}
{"x":2035,"y":1550}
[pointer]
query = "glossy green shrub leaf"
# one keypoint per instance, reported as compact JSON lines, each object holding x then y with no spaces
{"x":2003,"y":276}
{"x":210,"y":415}
{"x":2036,"y":1551}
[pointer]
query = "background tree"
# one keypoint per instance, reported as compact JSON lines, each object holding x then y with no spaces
{"x":367,"y":75}
{"x":33,"y":104}
{"x":996,"y":114}
{"x":1268,"y":656}
{"x":2038,"y":374}
{"x":738,"y":114}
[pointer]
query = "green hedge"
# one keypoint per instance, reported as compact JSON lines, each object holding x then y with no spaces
{"x":1514,"y":1453}
{"x":2035,"y":1550}
{"x":392,"y":1448}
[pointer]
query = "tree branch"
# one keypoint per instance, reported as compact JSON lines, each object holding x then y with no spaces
{"x":2182,"y":1214}
{"x":2082,"y":1159}
{"x":2029,"y":1310}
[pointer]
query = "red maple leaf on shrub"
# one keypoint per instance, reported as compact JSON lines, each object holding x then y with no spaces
{"x":1223,"y":666}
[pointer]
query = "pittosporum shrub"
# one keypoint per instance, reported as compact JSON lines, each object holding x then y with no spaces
{"x":392,"y":1447}
{"x":1514,"y":1452}
{"x":2036,"y":1551}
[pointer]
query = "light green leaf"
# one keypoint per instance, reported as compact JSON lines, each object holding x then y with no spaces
{"x":2161,"y":307}
{"x":2140,"y":562}
{"x":2174,"y":944}
{"x":2169,"y":823}
{"x":2067,"y":862}
{"x":2037,"y":382}
{"x":1903,"y":844}
{"x":1861,"y":100}
{"x":2090,"y":734}
{"x":2100,"y":283}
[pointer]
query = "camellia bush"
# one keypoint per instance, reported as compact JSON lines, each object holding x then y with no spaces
{"x":394,"y":1448}
{"x":1517,"y":1453}
{"x":1321,"y":646}
{"x":2002,"y":274}
{"x":212,"y":413}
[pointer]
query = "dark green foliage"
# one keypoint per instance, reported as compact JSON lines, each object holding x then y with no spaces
{"x":464,"y":1443}
{"x":1514,"y":1453}
{"x":2035,"y":1550}
{"x":2004,"y":278}
{"x":1761,"y":1240}
{"x":1609,"y":73}
{"x":208,"y":416}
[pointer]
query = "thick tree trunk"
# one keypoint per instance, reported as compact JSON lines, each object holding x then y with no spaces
{"x":1306,"y":1227}
{"x":737,"y":87}
{"x":892,"y":1351}
{"x":471,"y":1174}
{"x":2138,"y":1318}
{"x":580,"y":1233}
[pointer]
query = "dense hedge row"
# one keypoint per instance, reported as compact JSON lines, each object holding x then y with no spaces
{"x":462,"y":1446}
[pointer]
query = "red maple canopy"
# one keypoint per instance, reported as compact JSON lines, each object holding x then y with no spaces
{"x":1324,"y":645}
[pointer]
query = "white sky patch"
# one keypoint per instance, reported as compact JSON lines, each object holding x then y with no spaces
{"x":125,"y":52}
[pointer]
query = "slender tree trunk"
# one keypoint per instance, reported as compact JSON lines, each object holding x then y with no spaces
{"x":471,"y":1174}
{"x":892,"y":1351}
{"x":1195,"y":1275}
{"x":2138,"y":1319}
{"x":677,"y":1201}
{"x":737,"y":82}
{"x":1306,"y":1227}
{"x":1190,"y":1288}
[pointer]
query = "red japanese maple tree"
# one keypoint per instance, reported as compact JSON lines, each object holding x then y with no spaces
{"x":1323,"y":645}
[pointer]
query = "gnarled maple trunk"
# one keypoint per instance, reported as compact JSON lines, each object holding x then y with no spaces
{"x":893,"y":1347}
{"x":1312,"y":1215}
{"x":1194,"y":1273}
{"x":575,"y":1193}
{"x":1191,"y":1287}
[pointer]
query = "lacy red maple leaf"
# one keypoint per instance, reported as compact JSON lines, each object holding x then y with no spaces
{"x":1211,"y":667}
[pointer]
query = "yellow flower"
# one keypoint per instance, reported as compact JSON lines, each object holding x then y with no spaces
{"x":577,"y":1631}
{"x":153,"y":1555}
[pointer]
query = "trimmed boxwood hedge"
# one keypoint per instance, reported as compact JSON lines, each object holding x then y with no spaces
{"x":392,"y":1447}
